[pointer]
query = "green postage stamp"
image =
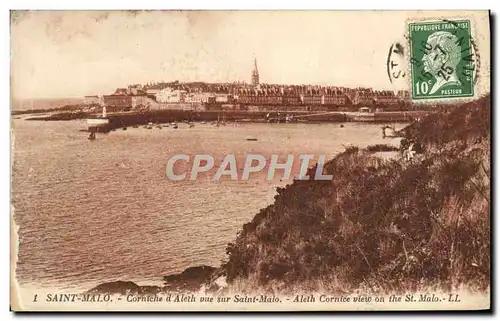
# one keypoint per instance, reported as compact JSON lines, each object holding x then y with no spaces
{"x":442,"y":59}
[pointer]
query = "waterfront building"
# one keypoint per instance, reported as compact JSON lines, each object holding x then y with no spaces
{"x":121,"y":91}
{"x":135,"y":90}
{"x":312,"y":99}
{"x":339,"y":100}
{"x":168,"y":95}
{"x":223,"y":98}
{"x":363,"y":96}
{"x":403,"y":94}
{"x":142,"y":102}
{"x":152,"y":92}
{"x":291,"y":100}
{"x":386,"y":97}
{"x":91,"y":100}
{"x":117,"y":101}
{"x":193,"y":98}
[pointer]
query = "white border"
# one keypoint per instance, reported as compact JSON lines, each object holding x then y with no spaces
{"x":185,"y":4}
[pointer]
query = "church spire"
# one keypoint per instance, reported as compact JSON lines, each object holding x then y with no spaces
{"x":255,"y":73}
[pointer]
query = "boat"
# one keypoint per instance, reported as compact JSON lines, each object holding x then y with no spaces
{"x":191,"y":125}
{"x":150,"y":125}
{"x":203,"y":122}
{"x":389,"y":131}
{"x":252,"y":139}
{"x":91,"y":136}
{"x":158,"y":126}
{"x":124,"y":128}
{"x":135,"y":126}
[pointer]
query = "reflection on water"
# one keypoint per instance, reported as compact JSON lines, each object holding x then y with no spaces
{"x":94,"y":211}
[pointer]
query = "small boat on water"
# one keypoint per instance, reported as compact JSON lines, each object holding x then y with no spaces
{"x":150,"y":125}
{"x":175,"y":126}
{"x":135,"y":126}
{"x":158,"y":126}
{"x":91,"y":136}
{"x":191,"y":125}
{"x":124,"y":128}
{"x":252,"y":139}
{"x":389,"y":132}
{"x":203,"y":122}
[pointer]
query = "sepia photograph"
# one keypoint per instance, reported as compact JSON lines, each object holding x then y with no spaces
{"x":237,"y":160}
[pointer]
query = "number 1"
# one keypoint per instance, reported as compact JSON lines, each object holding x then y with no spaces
{"x":422,"y":86}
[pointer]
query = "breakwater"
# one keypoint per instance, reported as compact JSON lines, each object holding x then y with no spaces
{"x":125,"y":119}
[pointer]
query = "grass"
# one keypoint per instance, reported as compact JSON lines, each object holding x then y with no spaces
{"x":382,"y":148}
{"x":380,"y":225}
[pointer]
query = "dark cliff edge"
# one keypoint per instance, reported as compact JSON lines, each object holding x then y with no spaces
{"x":190,"y":280}
{"x":381,"y":225}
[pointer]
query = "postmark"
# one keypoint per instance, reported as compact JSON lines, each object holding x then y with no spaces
{"x":442,"y":59}
{"x":395,"y":62}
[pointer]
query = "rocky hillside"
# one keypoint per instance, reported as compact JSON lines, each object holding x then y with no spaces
{"x":380,"y":225}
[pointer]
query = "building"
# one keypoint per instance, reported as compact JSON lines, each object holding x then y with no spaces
{"x":260,"y":100}
{"x":135,"y":90}
{"x":152,"y":92}
{"x":363,"y":97}
{"x":386,"y":100}
{"x":338,"y":100}
{"x":224,"y":98}
{"x":91,"y":100}
{"x":255,"y":74}
{"x":292,"y":100}
{"x":121,"y":91}
{"x":168,"y":95}
{"x":403,"y":94}
{"x":312,"y":99}
{"x":117,"y":101}
{"x":142,"y":102}
{"x":198,"y":98}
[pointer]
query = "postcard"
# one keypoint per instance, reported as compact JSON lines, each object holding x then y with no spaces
{"x":250,"y":160}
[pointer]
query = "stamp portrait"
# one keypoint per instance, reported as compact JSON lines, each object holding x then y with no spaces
{"x":442,"y":59}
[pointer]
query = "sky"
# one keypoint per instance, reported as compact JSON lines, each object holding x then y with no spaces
{"x":76,"y":53}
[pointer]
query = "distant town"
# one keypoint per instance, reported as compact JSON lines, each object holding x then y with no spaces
{"x":254,"y":96}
